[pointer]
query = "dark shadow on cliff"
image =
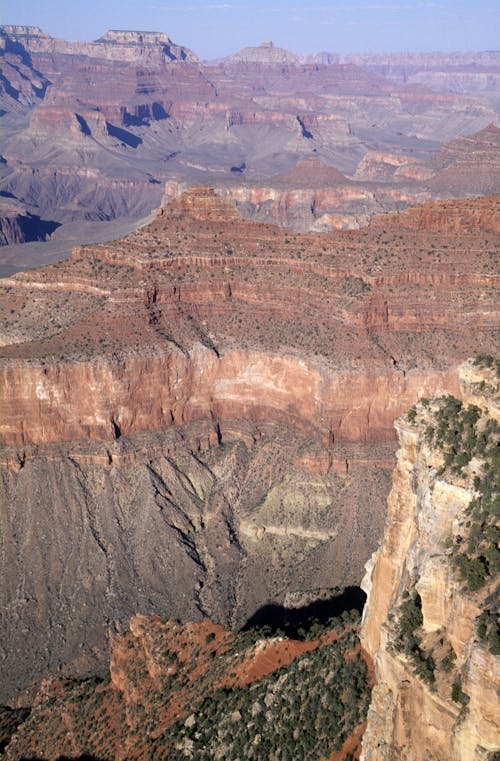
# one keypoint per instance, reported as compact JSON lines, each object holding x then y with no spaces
{"x":295,"y":622}
{"x":123,"y":135}
{"x":10,"y":719}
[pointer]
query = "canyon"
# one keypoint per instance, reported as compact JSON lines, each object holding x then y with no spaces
{"x":311,"y":144}
{"x":223,"y":281}
{"x":201,"y":691}
{"x":198,"y":418}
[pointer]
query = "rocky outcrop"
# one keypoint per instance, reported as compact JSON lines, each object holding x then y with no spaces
{"x":446,"y":216}
{"x":19,"y":226}
{"x":376,"y":166}
{"x":266,"y":53}
{"x":200,"y":690}
{"x":124,"y":46}
{"x":446,"y":709}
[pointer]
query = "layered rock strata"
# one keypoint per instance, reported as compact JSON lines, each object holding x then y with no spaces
{"x":76,"y":150}
{"x":447,"y":709}
{"x":199,"y":416}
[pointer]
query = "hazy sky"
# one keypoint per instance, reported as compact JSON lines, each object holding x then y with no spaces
{"x":212,"y":28}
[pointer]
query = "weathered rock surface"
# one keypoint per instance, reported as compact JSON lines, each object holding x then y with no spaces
{"x":199,"y":416}
{"x":411,"y":718}
{"x":199,"y":519}
{"x":77,"y":150}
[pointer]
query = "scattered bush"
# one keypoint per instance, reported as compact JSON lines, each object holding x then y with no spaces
{"x":463,"y":432}
{"x":457,"y":695}
{"x":408,"y":639}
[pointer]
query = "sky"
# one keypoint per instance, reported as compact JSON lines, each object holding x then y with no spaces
{"x":211,"y":28}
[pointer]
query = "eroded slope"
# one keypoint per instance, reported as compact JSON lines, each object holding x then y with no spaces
{"x":199,"y":416}
{"x":200,"y":692}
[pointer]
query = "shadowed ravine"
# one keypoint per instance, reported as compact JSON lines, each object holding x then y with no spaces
{"x":296,"y":622}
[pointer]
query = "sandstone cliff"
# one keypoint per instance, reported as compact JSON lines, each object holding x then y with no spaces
{"x":430,"y":622}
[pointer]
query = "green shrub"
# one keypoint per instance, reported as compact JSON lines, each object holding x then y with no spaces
{"x":457,"y":695}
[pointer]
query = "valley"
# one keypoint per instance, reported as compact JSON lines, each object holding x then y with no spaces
{"x":310,"y":144}
{"x":222,"y":283}
{"x":188,"y":418}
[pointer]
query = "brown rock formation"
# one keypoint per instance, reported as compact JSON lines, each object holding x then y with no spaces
{"x":211,"y":400}
{"x":447,"y":216}
{"x":469,"y":164}
{"x":197,"y":688}
{"x":410,"y":717}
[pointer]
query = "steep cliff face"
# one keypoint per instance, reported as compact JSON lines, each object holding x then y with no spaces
{"x":104,"y":399}
{"x":430,"y":622}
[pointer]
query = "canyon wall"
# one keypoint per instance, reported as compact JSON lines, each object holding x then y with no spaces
{"x":106,"y":398}
{"x":205,"y":518}
{"x":197,"y":418}
{"x":449,"y":708}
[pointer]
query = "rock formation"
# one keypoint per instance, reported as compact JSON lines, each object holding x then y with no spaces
{"x":266,"y":53}
{"x":115,"y":45}
{"x":78,"y":152}
{"x":468,"y":164}
{"x":430,"y":622}
{"x":202,"y":692}
{"x":18,"y":226}
{"x":198,"y":417}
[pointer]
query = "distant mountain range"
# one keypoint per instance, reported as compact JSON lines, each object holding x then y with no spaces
{"x":268,"y":128}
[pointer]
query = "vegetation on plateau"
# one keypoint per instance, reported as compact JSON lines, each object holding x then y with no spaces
{"x":203,"y":703}
{"x":305,"y":710}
